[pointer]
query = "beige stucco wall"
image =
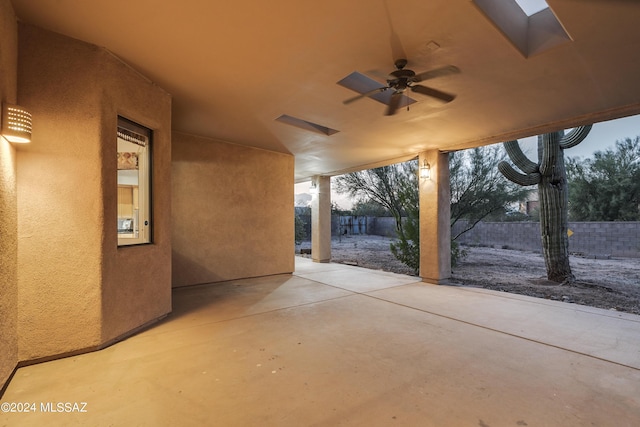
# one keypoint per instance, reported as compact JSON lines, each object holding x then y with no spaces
{"x":136,"y":286}
{"x":232,"y":211}
{"x":435,"y":215}
{"x":59,"y":196}
{"x":8,"y":201}
{"x":77,"y":290}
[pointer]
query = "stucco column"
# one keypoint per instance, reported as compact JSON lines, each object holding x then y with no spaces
{"x":435,"y":213}
{"x":321,"y":219}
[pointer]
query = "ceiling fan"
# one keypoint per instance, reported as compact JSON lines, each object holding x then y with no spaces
{"x":402,"y":79}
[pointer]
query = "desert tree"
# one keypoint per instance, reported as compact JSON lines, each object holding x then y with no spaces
{"x":395,"y":189}
{"x":549,"y":174}
{"x":381,"y":185}
{"x":607,"y":187}
{"x":478,"y":190}
{"x":369,"y":208}
{"x":407,"y":248}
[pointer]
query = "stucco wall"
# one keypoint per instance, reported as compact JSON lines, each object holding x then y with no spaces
{"x":77,"y":288}
{"x":8,"y":201}
{"x":136,"y":286}
{"x":59,"y":196}
{"x":232,"y":211}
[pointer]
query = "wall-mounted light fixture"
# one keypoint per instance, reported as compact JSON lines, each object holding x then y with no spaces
{"x":16,"y":124}
{"x":425,"y":170}
{"x":314,"y":188}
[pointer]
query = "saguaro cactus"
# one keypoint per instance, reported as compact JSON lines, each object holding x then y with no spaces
{"x":550,"y":175}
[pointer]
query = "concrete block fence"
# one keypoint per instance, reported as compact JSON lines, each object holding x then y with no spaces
{"x":591,"y":239}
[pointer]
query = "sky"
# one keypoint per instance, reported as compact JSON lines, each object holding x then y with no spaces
{"x":603,"y":135}
{"x":532,"y":6}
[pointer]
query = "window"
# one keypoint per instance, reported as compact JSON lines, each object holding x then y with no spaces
{"x":134,"y":186}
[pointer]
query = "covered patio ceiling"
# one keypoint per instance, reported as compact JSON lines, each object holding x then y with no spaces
{"x":234,"y":68}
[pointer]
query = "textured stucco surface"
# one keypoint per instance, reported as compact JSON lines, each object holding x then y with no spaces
{"x":59,"y":196}
{"x":321,"y":220}
{"x":136,"y":287}
{"x":435,"y":231}
{"x":232,"y":211}
{"x":8,"y":201}
{"x":77,"y":289}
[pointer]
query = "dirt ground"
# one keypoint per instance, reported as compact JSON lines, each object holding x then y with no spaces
{"x":612,"y":284}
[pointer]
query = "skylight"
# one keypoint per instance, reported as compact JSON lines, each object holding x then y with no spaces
{"x":531,"y":7}
{"x":530,"y":25}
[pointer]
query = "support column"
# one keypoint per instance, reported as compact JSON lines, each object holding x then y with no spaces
{"x":321,"y":219}
{"x":435,"y":217}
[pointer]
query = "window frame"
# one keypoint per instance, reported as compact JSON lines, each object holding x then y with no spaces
{"x":135,"y":127}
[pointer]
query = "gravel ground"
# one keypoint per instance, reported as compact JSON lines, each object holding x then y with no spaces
{"x":612,"y":284}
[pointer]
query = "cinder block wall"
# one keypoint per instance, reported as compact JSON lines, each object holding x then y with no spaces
{"x":618,"y":239}
{"x":614,"y":238}
{"x":524,"y":236}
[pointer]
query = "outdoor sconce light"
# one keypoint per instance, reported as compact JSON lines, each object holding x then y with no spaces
{"x":16,"y":124}
{"x":314,"y":188}
{"x":425,"y":170}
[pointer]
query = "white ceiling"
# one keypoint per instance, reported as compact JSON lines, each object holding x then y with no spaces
{"x":233,"y":68}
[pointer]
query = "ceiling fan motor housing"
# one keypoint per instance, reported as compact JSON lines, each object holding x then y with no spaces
{"x":400,"y":63}
{"x":399,"y":79}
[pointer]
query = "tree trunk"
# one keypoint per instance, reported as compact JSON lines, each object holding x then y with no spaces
{"x":554,"y":198}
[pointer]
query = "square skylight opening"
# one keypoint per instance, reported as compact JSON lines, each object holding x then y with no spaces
{"x":531,"y":7}
{"x":530,"y":25}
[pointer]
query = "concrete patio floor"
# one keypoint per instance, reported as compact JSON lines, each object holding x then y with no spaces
{"x":338,"y":345}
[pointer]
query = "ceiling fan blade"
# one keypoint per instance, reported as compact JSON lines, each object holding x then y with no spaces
{"x":394,"y":103}
{"x":442,"y":96}
{"x":397,"y":50}
{"x":438,"y":72}
{"x":364,"y":95}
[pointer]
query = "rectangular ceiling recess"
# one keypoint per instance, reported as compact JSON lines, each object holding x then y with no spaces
{"x":306,"y":125}
{"x":531,"y":32}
